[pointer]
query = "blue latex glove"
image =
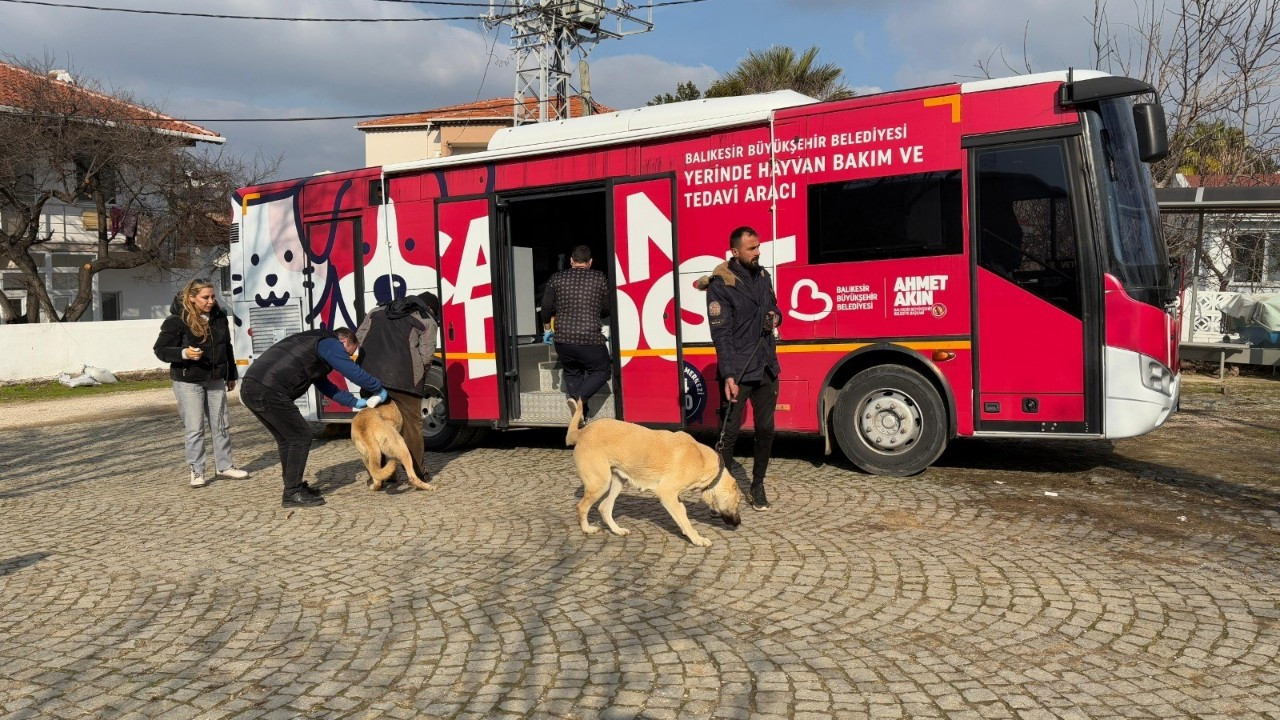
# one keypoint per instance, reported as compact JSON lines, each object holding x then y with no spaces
{"x":361,"y":403}
{"x":382,"y":395}
{"x":548,"y":337}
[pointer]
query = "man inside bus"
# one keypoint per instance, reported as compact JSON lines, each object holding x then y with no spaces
{"x":578,"y":298}
{"x":282,"y":375}
{"x":397,"y":343}
{"x":742,"y":310}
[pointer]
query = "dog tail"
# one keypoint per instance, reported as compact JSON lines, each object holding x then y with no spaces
{"x":571,"y":438}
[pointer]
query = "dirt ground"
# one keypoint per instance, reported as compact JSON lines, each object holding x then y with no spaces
{"x":1213,"y":468}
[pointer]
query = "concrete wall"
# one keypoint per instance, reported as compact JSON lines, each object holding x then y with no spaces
{"x":392,"y":146}
{"x":46,"y":349}
{"x":141,"y":296}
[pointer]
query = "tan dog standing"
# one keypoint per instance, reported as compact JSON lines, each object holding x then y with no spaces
{"x":376,"y":432}
{"x":608,"y":452}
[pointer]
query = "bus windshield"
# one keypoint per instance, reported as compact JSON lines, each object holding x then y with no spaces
{"x":1133,"y":247}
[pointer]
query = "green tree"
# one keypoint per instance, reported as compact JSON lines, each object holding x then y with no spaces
{"x":780,"y":68}
{"x":1215,"y":148}
{"x":684,"y":91}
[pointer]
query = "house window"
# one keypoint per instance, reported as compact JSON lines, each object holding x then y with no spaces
{"x":1248,"y":256}
{"x":111,"y":305}
{"x":19,"y":305}
{"x":103,"y":177}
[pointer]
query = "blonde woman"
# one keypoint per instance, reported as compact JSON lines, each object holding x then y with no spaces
{"x":196,"y":342}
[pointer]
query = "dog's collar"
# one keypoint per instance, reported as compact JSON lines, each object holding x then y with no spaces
{"x":719,"y":473}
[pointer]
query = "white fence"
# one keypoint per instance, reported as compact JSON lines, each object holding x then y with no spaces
{"x":45,"y":349}
{"x":1202,"y":320}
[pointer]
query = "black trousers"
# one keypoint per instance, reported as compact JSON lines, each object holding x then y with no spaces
{"x":586,"y":368}
{"x":285,"y":423}
{"x":763,"y":396}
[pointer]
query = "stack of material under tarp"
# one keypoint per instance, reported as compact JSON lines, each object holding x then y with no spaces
{"x":1255,"y":317}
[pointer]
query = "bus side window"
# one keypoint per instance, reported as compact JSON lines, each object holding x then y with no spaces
{"x":899,"y":216}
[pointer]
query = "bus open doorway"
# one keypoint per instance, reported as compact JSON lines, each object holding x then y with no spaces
{"x":536,"y":233}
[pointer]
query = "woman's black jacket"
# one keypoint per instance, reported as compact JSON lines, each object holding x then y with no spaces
{"x":218,"y":361}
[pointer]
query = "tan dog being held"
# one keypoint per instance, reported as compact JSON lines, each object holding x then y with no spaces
{"x":608,"y":452}
{"x":376,"y":432}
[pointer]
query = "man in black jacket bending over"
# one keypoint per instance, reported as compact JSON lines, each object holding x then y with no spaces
{"x":281,"y":375}
{"x":397,"y":343}
{"x":742,"y":310}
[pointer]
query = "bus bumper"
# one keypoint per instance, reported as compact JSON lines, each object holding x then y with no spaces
{"x":1141,"y":393}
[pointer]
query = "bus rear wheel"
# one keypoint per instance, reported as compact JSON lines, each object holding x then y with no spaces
{"x":438,"y":434}
{"x":889,"y":420}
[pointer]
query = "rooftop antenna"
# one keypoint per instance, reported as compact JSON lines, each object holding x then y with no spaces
{"x":544,"y":33}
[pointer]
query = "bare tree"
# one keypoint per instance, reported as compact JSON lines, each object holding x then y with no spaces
{"x":1216,"y":65}
{"x":83,"y":146}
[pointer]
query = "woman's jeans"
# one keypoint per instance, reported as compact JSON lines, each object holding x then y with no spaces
{"x":198,"y":402}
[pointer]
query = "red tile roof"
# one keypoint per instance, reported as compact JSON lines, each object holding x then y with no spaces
{"x":495,"y":109}
{"x":18,"y":86}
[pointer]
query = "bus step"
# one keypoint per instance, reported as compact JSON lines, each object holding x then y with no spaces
{"x":550,"y":407}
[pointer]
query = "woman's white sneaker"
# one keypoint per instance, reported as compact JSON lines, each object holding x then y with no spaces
{"x":197,"y":479}
{"x":234,"y":473}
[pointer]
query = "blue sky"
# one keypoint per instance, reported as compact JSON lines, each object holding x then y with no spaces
{"x":209,"y":68}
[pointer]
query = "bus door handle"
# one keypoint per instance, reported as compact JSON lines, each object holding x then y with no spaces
{"x":450,"y":331}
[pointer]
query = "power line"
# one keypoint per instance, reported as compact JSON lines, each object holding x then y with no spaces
{"x":246,"y":17}
{"x":171,"y":118}
{"x":437,"y":2}
{"x":217,"y":16}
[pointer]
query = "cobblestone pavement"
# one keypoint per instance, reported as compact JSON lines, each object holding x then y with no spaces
{"x":1146,"y":587}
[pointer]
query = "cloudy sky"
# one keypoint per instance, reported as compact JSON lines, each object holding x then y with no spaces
{"x":207,"y":69}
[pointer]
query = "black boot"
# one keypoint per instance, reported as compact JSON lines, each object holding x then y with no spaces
{"x":759,"y":501}
{"x":301,"y":496}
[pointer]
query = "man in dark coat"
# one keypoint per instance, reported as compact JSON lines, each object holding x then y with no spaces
{"x":280,"y":376}
{"x":397,"y":344}
{"x":742,"y":310}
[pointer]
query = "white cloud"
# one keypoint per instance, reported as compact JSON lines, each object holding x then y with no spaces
{"x":204,"y":68}
{"x":629,"y":81}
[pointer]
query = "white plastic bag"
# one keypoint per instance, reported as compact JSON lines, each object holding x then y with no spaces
{"x":77,"y":381}
{"x":101,"y":375}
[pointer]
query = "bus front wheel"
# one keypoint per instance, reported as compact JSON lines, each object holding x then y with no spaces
{"x":889,"y":420}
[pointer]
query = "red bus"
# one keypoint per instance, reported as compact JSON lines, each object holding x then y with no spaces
{"x":974,"y":259}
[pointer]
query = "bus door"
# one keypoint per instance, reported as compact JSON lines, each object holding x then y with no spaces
{"x":646,"y":347}
{"x":335,"y":251}
{"x":1037,"y":326}
{"x":466,"y":325}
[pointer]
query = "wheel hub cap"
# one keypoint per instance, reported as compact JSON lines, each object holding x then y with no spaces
{"x":889,"y":421}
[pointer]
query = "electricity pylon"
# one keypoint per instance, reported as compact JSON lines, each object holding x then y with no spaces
{"x":544,"y":33}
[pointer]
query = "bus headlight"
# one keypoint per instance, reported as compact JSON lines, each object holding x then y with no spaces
{"x":1156,"y":376}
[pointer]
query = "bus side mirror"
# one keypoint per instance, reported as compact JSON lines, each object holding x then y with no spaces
{"x":1153,"y":137}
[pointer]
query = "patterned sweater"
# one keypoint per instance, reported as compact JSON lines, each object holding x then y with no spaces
{"x":577,"y":298}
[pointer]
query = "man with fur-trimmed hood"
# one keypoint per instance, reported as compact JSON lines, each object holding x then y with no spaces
{"x":397,"y":343}
{"x":743,"y":311}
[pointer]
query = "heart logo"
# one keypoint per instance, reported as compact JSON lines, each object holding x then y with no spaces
{"x":814,"y":295}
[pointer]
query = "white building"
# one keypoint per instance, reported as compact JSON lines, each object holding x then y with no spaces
{"x":72,"y":232}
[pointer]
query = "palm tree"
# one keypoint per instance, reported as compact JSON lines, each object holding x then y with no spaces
{"x":778,"y":68}
{"x":1215,"y":148}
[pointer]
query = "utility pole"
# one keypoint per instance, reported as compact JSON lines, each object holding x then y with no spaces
{"x":544,"y":33}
